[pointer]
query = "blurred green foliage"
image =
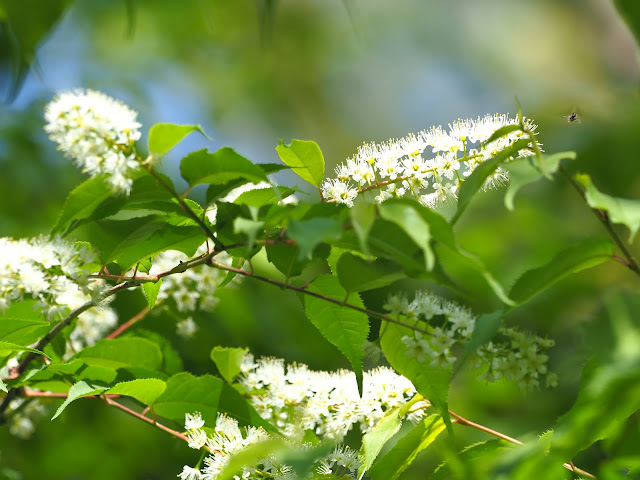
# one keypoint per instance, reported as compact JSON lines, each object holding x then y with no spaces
{"x":340,"y":73}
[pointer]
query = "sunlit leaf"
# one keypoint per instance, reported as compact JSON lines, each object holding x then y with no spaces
{"x":123,"y":352}
{"x":164,"y":136}
{"x":151,"y":291}
{"x":374,"y":440}
{"x":228,"y":361}
{"x":145,"y":390}
{"x":13,"y":347}
{"x":81,"y":389}
{"x":305,"y":158}
{"x":263,"y":196}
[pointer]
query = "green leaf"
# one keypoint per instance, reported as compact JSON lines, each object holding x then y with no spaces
{"x":305,"y":158}
{"x":81,"y":389}
{"x":145,"y":390}
{"x":164,"y":136}
{"x":81,"y":202}
{"x":363,"y":214}
{"x":128,"y":242}
{"x":285,"y":258}
{"x":3,"y":386}
{"x":523,"y":171}
{"x":475,"y":181}
{"x":619,"y":210}
{"x":310,"y":233}
{"x":13,"y":347}
{"x":171,"y":360}
{"x":374,"y":440}
{"x":403,"y":454}
{"x":344,"y":327}
{"x":207,"y":395}
{"x":406,"y":215}
{"x":151,"y":291}
{"x":586,"y":254}
{"x":358,"y":275}
{"x":123,"y":352}
{"x":228,"y":361}
{"x":22,"y":331}
{"x":98,"y":373}
{"x":431,"y":381}
{"x":263,"y":196}
{"x":219,"y":168}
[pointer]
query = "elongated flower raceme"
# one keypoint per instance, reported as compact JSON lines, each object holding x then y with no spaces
{"x":429,"y":166}
{"x":98,"y":133}
{"x":512,"y":355}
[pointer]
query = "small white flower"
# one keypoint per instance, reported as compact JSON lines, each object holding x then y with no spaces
{"x":189,"y":473}
{"x":339,"y":191}
{"x":186,"y":328}
{"x":193,"y":421}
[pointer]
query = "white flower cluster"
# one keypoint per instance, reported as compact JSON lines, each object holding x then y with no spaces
{"x":228,"y":439}
{"x":50,"y":270}
{"x":296,"y":399}
{"x":195,"y":288}
{"x":97,"y":132}
{"x":518,"y":356}
{"x":434,"y":159}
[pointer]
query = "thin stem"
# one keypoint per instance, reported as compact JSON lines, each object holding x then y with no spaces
{"x":136,"y":318}
{"x":490,"y":431}
{"x":150,"y":421}
{"x":287,"y":286}
{"x":631,"y":263}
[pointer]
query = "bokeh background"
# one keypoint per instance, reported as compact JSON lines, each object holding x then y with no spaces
{"x":252,"y":72}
